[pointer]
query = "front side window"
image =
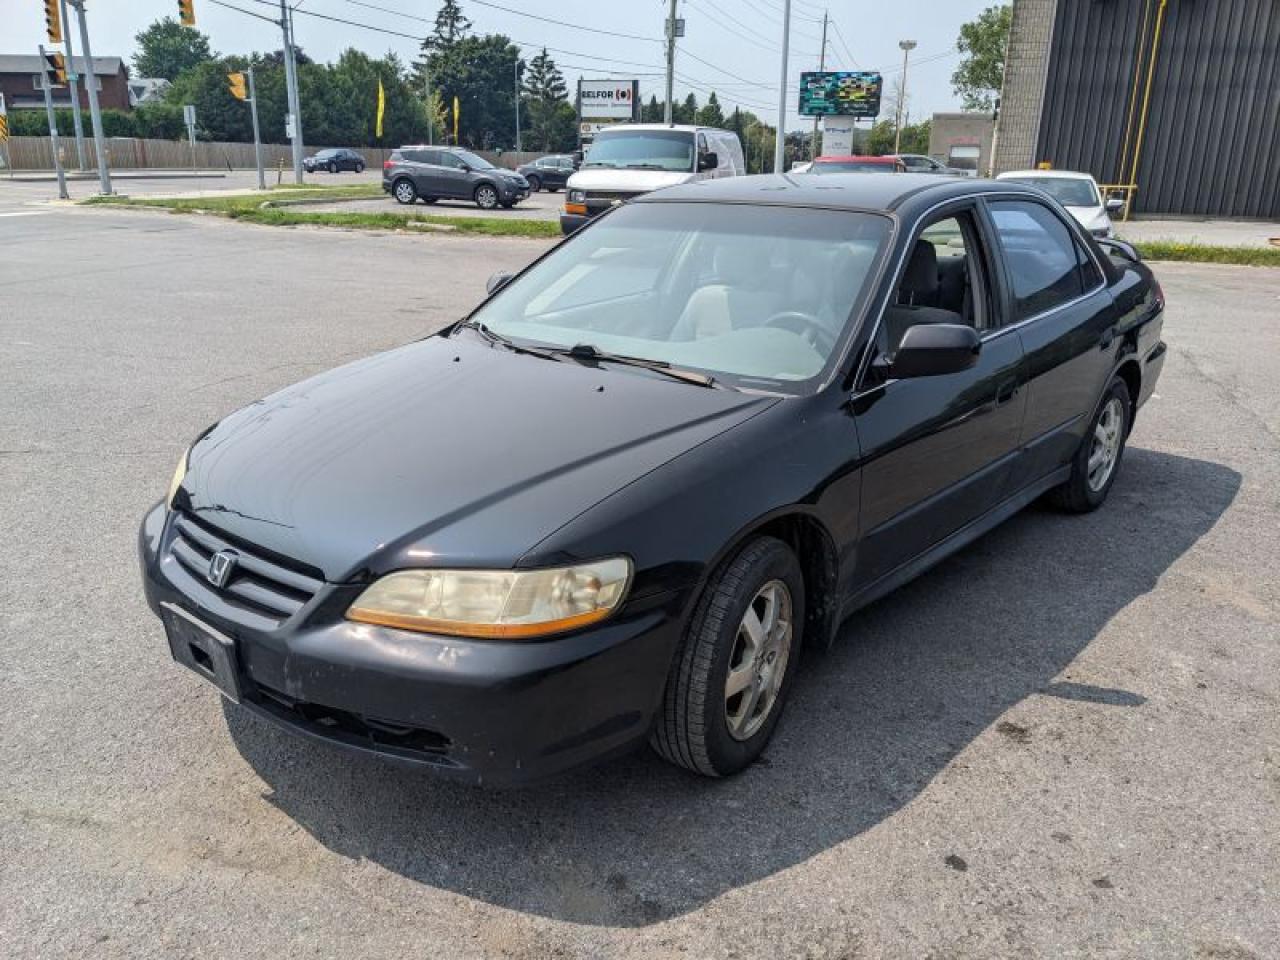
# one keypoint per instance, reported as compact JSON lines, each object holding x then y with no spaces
{"x":755,"y":296}
{"x":643,"y":150}
{"x":852,"y":166}
{"x":1040,"y":255}
{"x":465,"y":158}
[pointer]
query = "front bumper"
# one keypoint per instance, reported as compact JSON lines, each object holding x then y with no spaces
{"x":497,"y":713}
{"x":569,"y":222}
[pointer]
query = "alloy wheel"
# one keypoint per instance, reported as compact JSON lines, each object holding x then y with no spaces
{"x":1108,"y":434}
{"x":404,"y":191}
{"x":486,"y":198}
{"x":758,"y":662}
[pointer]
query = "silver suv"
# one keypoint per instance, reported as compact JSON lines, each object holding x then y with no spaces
{"x":450,"y":173}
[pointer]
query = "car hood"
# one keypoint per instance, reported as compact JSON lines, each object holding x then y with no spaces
{"x":443,"y":451}
{"x":1089,"y":217}
{"x":639,"y":181}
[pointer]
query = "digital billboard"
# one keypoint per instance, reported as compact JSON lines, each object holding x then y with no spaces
{"x":840,"y":93}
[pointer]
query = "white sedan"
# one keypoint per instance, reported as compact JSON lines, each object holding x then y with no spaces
{"x":1076,"y":191}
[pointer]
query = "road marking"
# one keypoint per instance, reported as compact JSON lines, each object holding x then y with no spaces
{"x":26,"y":213}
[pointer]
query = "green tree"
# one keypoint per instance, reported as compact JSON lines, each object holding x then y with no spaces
{"x":980,"y":75}
{"x":167,"y":48}
{"x":711,"y":115}
{"x":544,"y":81}
{"x":477,"y":70}
{"x":451,"y":26}
{"x":686,"y":112}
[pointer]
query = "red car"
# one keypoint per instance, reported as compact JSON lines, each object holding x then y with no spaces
{"x":858,"y":165}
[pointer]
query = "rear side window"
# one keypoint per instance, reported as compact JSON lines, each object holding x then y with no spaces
{"x":1041,"y":256}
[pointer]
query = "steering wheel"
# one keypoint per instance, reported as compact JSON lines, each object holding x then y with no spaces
{"x":805,"y":325}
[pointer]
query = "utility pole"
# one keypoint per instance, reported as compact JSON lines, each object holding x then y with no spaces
{"x":780,"y":142}
{"x":257,"y":140}
{"x":73,"y":78}
{"x":671,"y":62}
{"x":822,"y":65}
{"x":95,"y":114}
{"x":516,"y":70}
{"x":53,"y":126}
{"x":906,"y":46}
{"x":291,"y":81}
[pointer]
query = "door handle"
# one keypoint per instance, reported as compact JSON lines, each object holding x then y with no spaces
{"x":1006,"y":392}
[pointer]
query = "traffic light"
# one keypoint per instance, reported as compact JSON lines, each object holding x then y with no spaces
{"x":57,"y":64}
{"x":53,"y":21}
{"x":236,"y":82}
{"x":186,"y":12}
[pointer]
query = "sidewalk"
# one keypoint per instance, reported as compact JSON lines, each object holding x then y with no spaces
{"x":1217,"y":233}
{"x":48,"y":176}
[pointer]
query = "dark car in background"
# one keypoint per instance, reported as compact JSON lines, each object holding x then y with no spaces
{"x":618,"y":500}
{"x":919,"y":163}
{"x":857,"y":164}
{"x":334,"y":160}
{"x":548,"y":173}
{"x":429,"y":173}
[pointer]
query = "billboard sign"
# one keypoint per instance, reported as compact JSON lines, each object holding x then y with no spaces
{"x":837,"y":136}
{"x":607,"y":99}
{"x":840,"y":93}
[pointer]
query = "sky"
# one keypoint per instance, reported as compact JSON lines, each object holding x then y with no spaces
{"x":731,"y":46}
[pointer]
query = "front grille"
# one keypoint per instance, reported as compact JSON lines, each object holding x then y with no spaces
{"x":257,"y":582}
{"x":356,"y":729}
{"x":603,"y":199}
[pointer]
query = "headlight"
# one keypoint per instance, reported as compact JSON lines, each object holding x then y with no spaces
{"x":179,"y":474}
{"x":495,"y":604}
{"x":577,"y":196}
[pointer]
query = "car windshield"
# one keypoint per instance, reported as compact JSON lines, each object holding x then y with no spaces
{"x":326,"y":154}
{"x":473,"y":161}
{"x":851,"y":166}
{"x":643,"y":149}
{"x":759,"y":297}
{"x":1068,"y":191}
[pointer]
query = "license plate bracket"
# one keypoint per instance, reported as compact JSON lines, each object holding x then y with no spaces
{"x":207,"y":652}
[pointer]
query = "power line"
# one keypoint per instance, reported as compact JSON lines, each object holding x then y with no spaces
{"x":845,"y":46}
{"x":247,"y":13}
{"x":518,"y":13}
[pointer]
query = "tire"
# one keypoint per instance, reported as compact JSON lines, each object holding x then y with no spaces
{"x":486,"y":196}
{"x":333,"y":168}
{"x":553,"y":189}
{"x":404,"y":191}
{"x":1087,"y":487}
{"x":535,"y":183}
{"x":359,"y":168}
{"x":697,"y":728}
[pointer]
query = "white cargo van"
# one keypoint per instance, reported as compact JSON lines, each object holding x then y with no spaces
{"x":627,"y":160}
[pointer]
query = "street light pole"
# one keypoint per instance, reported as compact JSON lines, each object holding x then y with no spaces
{"x":906,"y":46}
{"x":95,"y":114}
{"x":671,"y":62}
{"x":291,"y":83}
{"x":75,"y":84}
{"x":780,"y":143}
{"x":516,"y":71}
{"x":822,"y":65}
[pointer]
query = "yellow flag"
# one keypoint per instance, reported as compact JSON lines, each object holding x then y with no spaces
{"x":455,"y":120}
{"x":382,"y":106}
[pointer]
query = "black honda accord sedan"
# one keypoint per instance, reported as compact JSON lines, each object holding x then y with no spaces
{"x":615,"y":502}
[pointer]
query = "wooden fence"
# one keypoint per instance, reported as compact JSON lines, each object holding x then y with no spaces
{"x":129,"y":153}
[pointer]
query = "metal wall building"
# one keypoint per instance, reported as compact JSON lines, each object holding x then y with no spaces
{"x":1188,"y":88}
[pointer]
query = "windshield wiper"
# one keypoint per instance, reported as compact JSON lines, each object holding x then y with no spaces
{"x":494,"y":337}
{"x":589,"y":353}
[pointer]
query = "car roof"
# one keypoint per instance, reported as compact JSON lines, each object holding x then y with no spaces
{"x":683,"y":127}
{"x":859,"y":158}
{"x":843,"y":191}
{"x":1048,"y":174}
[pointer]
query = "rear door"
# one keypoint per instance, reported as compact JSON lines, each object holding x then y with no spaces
{"x":1058,"y":297}
{"x":937,"y":451}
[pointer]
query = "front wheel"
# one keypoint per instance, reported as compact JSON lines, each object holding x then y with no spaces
{"x":1097,"y":463}
{"x":359,"y":168}
{"x":535,"y":184}
{"x":730,"y":677}
{"x":486,"y":197}
{"x":404,"y":192}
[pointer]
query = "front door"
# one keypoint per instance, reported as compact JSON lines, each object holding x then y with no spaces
{"x":454,"y":177}
{"x":937,"y":451}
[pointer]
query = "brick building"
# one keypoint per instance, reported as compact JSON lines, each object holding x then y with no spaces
{"x":20,"y":83}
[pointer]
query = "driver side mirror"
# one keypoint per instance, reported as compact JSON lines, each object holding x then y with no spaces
{"x":1114,"y":205}
{"x":934,"y":349}
{"x":708,"y":161}
{"x":578,"y":157}
{"x":497,"y":282}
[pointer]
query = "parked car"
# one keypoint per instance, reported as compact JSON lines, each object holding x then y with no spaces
{"x":334,"y":160}
{"x":631,"y":159}
{"x":919,"y":163}
{"x":617,"y":501}
{"x":551,"y":172}
{"x":450,"y":173}
{"x":857,"y":164}
{"x":1076,"y":191}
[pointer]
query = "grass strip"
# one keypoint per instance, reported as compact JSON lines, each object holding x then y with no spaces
{"x":254,"y":208}
{"x":1204,"y":253}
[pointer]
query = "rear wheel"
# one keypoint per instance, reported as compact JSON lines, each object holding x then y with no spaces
{"x":732,"y":673}
{"x":404,"y":191}
{"x":535,"y":183}
{"x":1097,"y":463}
{"x":333,"y":167}
{"x":486,"y":197}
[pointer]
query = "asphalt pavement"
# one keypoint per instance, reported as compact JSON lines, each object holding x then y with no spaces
{"x":1062,"y":742}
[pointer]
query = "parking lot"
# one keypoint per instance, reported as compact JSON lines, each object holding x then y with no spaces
{"x":1064,"y":741}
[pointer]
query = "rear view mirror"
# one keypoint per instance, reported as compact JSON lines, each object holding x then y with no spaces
{"x":497,"y":282}
{"x":1114,"y":205}
{"x":934,"y":349}
{"x":709,"y":160}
